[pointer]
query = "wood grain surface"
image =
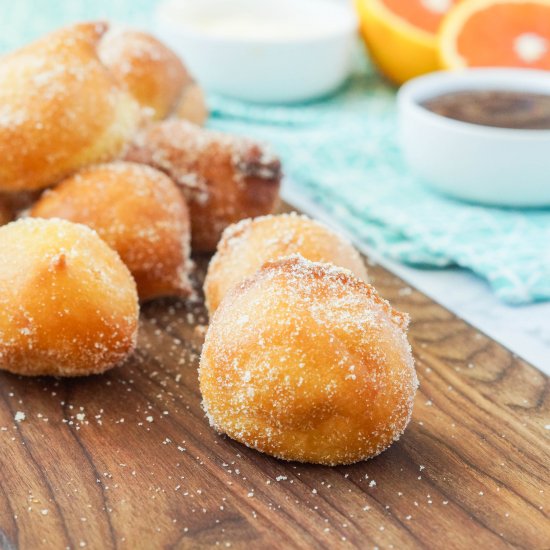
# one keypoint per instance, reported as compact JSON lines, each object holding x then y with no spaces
{"x":127,"y":459}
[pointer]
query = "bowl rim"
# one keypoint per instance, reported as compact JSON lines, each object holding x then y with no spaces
{"x":437,"y":83}
{"x":345,"y":25}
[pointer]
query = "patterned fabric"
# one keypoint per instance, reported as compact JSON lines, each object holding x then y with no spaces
{"x":341,"y":152}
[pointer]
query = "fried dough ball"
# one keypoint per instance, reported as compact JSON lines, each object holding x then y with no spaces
{"x":60,"y":109}
{"x":224,"y":179}
{"x":153,"y":74}
{"x":303,"y":361}
{"x":68,"y":305}
{"x":248,"y":244}
{"x":136,"y":210}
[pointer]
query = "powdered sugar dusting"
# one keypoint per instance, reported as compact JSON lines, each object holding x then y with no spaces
{"x":59,"y":109}
{"x":68,"y":305}
{"x":139,"y":212}
{"x":327,"y":359}
{"x":248,"y":244}
{"x":148,"y":69}
{"x":224,"y":178}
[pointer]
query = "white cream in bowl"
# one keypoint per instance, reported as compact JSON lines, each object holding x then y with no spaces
{"x":274,"y":51}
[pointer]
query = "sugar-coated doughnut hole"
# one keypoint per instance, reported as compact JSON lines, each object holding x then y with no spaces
{"x":305,"y":362}
{"x":247,"y":245}
{"x":68,"y":305}
{"x":139,"y":212}
{"x":146,"y":67}
{"x":223,"y":178}
{"x":61,"y":109}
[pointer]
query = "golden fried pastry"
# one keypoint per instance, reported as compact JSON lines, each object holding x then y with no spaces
{"x":248,"y":244}
{"x":139,"y":212}
{"x":152,"y":73}
{"x":60,"y":109}
{"x":223,"y":178}
{"x":305,"y":362}
{"x":68,"y":305}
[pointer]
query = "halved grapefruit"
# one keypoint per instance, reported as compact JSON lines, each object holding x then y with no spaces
{"x":496,"y":33}
{"x":401,"y":35}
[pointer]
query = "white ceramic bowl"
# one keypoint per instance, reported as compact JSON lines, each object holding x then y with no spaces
{"x":496,"y":166}
{"x":274,"y":51}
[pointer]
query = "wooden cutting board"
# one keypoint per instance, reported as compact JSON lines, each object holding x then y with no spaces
{"x":127,"y":459}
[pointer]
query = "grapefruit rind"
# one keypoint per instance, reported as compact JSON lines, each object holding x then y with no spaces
{"x":401,"y":50}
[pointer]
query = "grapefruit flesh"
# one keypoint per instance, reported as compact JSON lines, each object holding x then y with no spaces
{"x":497,"y":33}
{"x":423,"y":14}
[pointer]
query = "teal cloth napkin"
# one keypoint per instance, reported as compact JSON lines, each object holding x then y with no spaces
{"x":341,"y":152}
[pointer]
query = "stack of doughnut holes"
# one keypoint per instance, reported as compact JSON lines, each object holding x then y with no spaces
{"x":302,"y":359}
{"x":107,"y":182}
{"x":110,"y":181}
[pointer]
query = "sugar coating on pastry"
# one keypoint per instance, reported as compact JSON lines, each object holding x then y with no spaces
{"x":303,"y":361}
{"x":248,"y":244}
{"x":224,"y":178}
{"x":136,"y":210}
{"x":68,"y":305}
{"x":60,"y":109}
{"x":146,"y":67}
